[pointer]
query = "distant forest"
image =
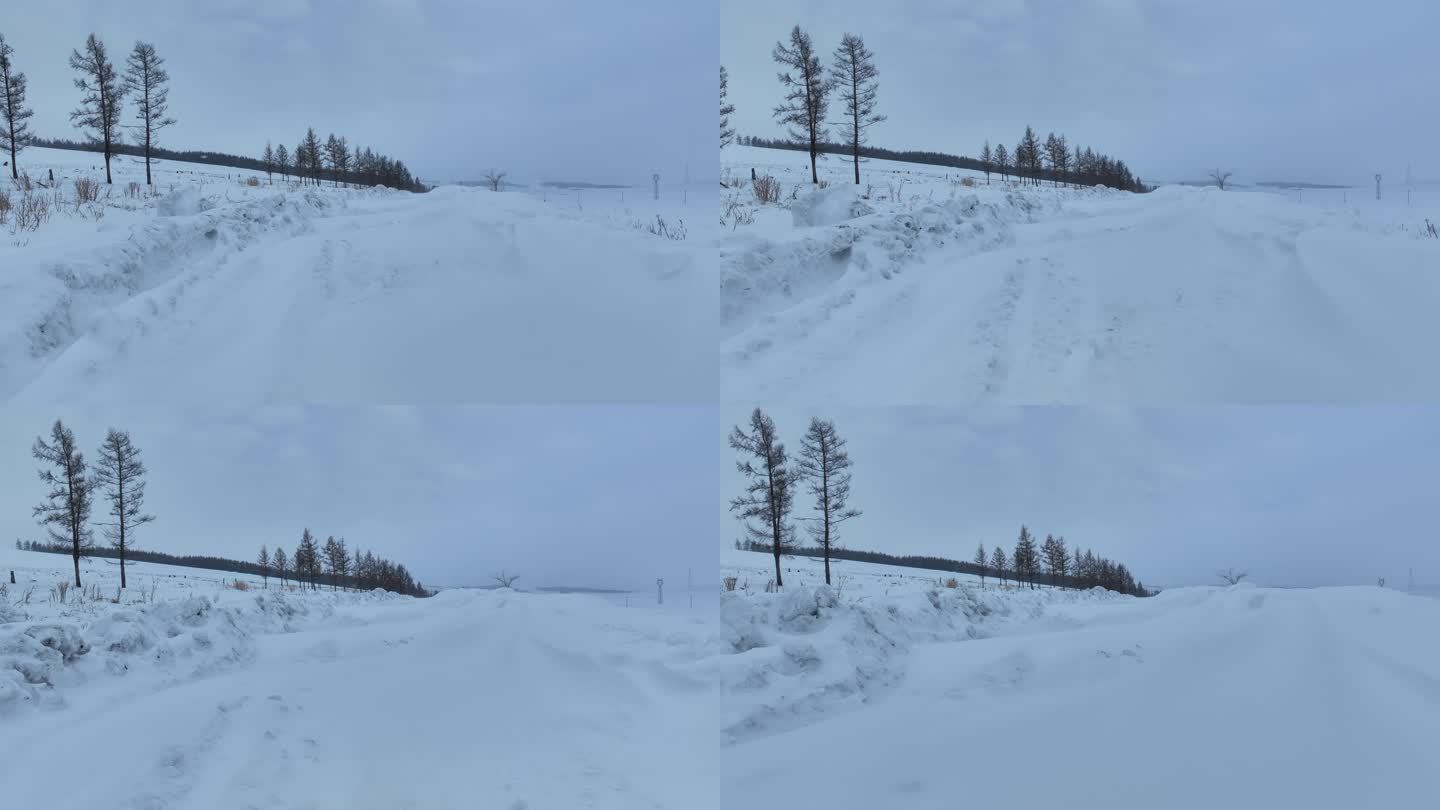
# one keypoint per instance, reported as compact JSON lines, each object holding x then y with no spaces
{"x":1101,"y":171}
{"x":384,"y":575}
{"x":1100,"y":573}
{"x":376,"y":171}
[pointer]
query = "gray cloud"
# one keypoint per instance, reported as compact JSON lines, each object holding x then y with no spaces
{"x":606,"y":496}
{"x":1303,"y":495}
{"x":1279,"y":90}
{"x":550,"y":89}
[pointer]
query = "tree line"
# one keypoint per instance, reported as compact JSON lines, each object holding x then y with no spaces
{"x":852,"y":78}
{"x":314,"y":161}
{"x":118,"y":478}
{"x":104,"y":90}
{"x":766,"y":507}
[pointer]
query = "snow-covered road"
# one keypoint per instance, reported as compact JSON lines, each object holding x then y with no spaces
{"x":1198,"y":698}
{"x":1051,"y":295}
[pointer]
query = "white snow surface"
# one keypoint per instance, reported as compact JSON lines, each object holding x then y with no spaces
{"x":204,"y":696}
{"x":917,"y":289}
{"x":890,"y":690}
{"x":215,"y":290}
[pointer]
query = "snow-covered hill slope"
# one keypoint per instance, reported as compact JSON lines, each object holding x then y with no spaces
{"x":908,"y":694}
{"x":217,"y":290}
{"x":202,"y":696}
{"x":918,"y":288}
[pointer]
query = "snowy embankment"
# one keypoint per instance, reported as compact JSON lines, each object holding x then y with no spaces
{"x":198,"y":695}
{"x":930,"y":285}
{"x":217,"y":289}
{"x":906,"y":693}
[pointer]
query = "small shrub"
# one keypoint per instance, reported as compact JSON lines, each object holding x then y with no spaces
{"x":5,"y":206}
{"x":86,"y":190}
{"x":735,"y":213}
{"x":730,"y":582}
{"x":24,"y":184}
{"x":252,"y":182}
{"x":968,"y":182}
{"x":32,"y":212}
{"x":767,"y":189}
{"x":133,"y":189}
{"x":61,"y":588}
{"x":240,"y":584}
{"x":666,"y":230}
{"x":770,"y":586}
{"x":952,"y":582}
{"x":823,"y":184}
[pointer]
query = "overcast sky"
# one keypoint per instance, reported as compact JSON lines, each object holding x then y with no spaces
{"x":1283,"y":89}
{"x":598,"y":496}
{"x":548,"y":89}
{"x":1295,"y":495}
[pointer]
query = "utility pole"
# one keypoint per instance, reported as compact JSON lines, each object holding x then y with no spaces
{"x":1377,"y":186}
{"x":660,"y":591}
{"x":655,"y":178}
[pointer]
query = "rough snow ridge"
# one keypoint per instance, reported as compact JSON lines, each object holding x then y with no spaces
{"x":799,"y":656}
{"x":190,"y":240}
{"x":170,"y":641}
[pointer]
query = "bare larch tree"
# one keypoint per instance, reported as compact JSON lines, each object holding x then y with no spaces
{"x":121,"y":475}
{"x":769,"y":495}
{"x":1220,"y":179}
{"x":66,"y":510}
{"x":264,"y":562}
{"x":282,"y":565}
{"x":857,"y":81}
{"x":727,"y":132}
{"x":981,"y":561}
{"x":987,"y":157}
{"x":14,"y":131}
{"x":99,"y":110}
{"x":282,"y":161}
{"x":268,"y":161}
{"x":146,"y":79}
{"x":806,"y":94}
{"x":824,"y":465}
{"x":998,"y":563}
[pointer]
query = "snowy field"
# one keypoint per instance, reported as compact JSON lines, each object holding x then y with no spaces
{"x":217,"y":290}
{"x":890,"y":690}
{"x":192,"y":694}
{"x":917,"y":288}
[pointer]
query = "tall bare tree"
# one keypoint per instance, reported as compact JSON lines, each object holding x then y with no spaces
{"x":981,"y":561}
{"x":1002,"y":162}
{"x":337,"y":155}
{"x":282,"y":161}
{"x":727,"y":133}
{"x":268,"y":161}
{"x":824,"y":464}
{"x":987,"y":157}
{"x":282,"y":565}
{"x":313,"y":160}
{"x":99,"y":110}
{"x":147,"y":80}
{"x":264,"y":563}
{"x":856,"y":79}
{"x":998,"y":563}
{"x":806,"y":94}
{"x":14,"y":131}
{"x":121,"y":473}
{"x":769,"y":494}
{"x":66,"y":510}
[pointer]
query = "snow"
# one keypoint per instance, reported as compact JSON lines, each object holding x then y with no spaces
{"x":199,"y":695}
{"x":932,"y":287}
{"x":217,"y":290}
{"x":895,"y":691}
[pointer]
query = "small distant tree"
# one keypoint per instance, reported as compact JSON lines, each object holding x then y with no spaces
{"x":264,"y":562}
{"x":998,"y":563}
{"x":281,"y":564}
{"x":505,"y":580}
{"x":855,"y":77}
{"x":1220,"y":179}
{"x":987,"y":157}
{"x":825,"y":465}
{"x":99,"y":110}
{"x":313,"y":158}
{"x":769,"y":495}
{"x":337,"y":155}
{"x":1231,"y":577}
{"x":1024,"y":558}
{"x":66,"y":510}
{"x":146,"y":78}
{"x":495,"y":181}
{"x":980,"y":559}
{"x":727,"y":133}
{"x":121,"y":474}
{"x":803,"y":109}
{"x":268,"y":159}
{"x":14,"y":131}
{"x":1002,"y":161}
{"x":282,"y":161}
